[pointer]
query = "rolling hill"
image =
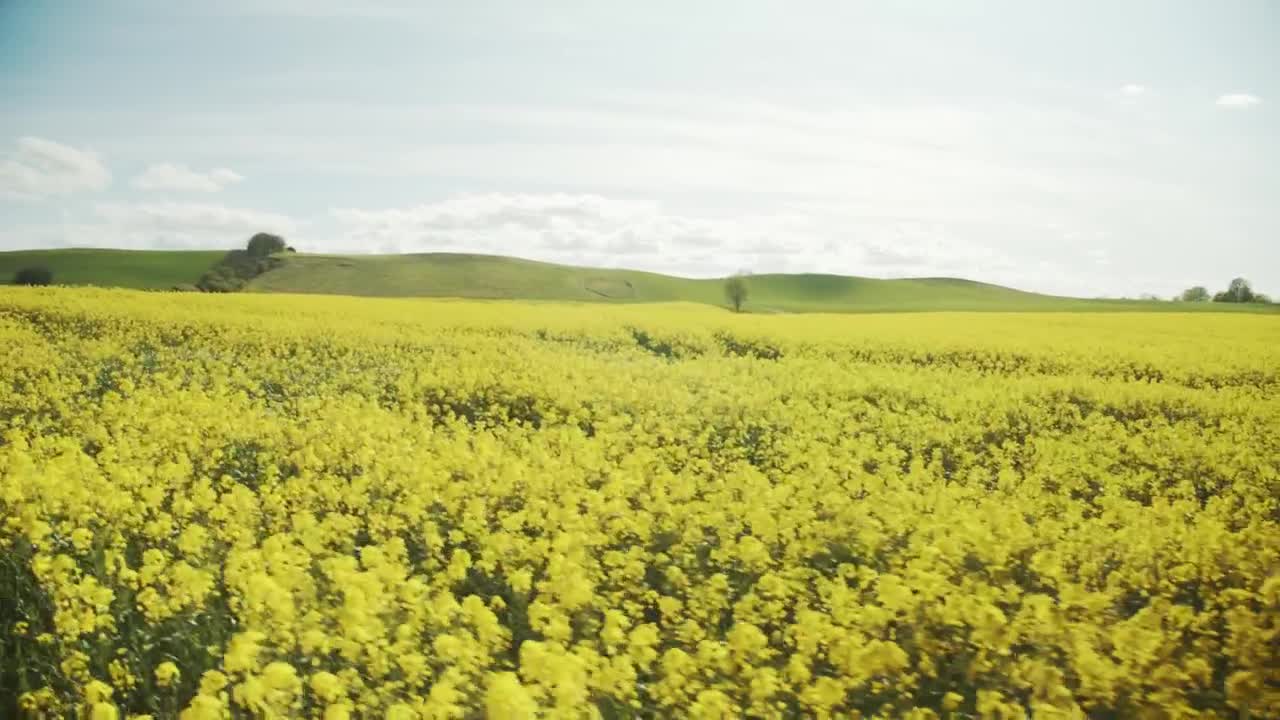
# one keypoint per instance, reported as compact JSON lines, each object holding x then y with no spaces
{"x":139,"y":269}
{"x":486,"y":276}
{"x":497,"y":277}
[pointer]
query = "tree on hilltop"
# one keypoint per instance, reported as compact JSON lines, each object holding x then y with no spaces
{"x":264,"y":244}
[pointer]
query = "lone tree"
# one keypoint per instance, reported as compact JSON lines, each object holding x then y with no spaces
{"x":264,"y":244}
{"x":735,"y":291}
{"x":1239,"y":291}
{"x":33,"y":276}
{"x":1198,"y":293}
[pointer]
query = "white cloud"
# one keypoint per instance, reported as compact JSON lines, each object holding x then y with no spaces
{"x":1133,"y":90}
{"x":179,"y":225}
{"x":171,"y":226}
{"x":903,"y":188}
{"x":550,"y":224}
{"x":601,"y":231}
{"x":40,"y":168}
{"x":170,"y":176}
{"x":1238,"y":100}
{"x":926,"y":161}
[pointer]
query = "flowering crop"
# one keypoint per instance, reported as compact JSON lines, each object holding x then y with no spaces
{"x":285,"y":506}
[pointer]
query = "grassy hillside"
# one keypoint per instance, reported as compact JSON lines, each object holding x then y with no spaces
{"x":485,"y":276}
{"x":139,"y":269}
{"x":494,"y":277}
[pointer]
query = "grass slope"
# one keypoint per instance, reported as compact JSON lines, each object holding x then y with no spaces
{"x":495,"y":277}
{"x":486,"y":276}
{"x":138,"y":269}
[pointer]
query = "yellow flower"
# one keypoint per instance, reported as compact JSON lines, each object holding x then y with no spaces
{"x":212,"y":682}
{"x":443,"y":701}
{"x":327,"y":686}
{"x":120,"y":675}
{"x":204,"y":707}
{"x":193,"y":540}
{"x":713,"y":705}
{"x":33,"y":702}
{"x":506,"y":699}
{"x":340,"y":711}
{"x":82,"y":539}
{"x":824,"y":694}
{"x":166,"y":673}
{"x":401,"y":711}
{"x":747,"y":642}
{"x":282,"y":677}
{"x":242,"y":652}
{"x":655,"y":509}
{"x":97,"y":691}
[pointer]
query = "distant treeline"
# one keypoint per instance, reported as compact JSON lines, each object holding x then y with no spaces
{"x":1239,"y":291}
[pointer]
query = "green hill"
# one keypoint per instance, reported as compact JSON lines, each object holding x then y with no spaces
{"x":496,"y":277}
{"x":139,"y":269}
{"x":488,"y":276}
{"x":485,"y":276}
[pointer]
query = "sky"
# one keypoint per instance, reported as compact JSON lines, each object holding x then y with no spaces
{"x":1087,"y":148}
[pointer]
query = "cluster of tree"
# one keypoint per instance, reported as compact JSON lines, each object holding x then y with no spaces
{"x":1239,"y":291}
{"x":37,"y":275}
{"x":238,"y":267}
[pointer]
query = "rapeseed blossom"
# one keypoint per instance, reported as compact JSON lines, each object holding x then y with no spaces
{"x":276,"y":506}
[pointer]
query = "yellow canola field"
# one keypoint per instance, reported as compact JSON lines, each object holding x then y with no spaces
{"x":286,"y":506}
